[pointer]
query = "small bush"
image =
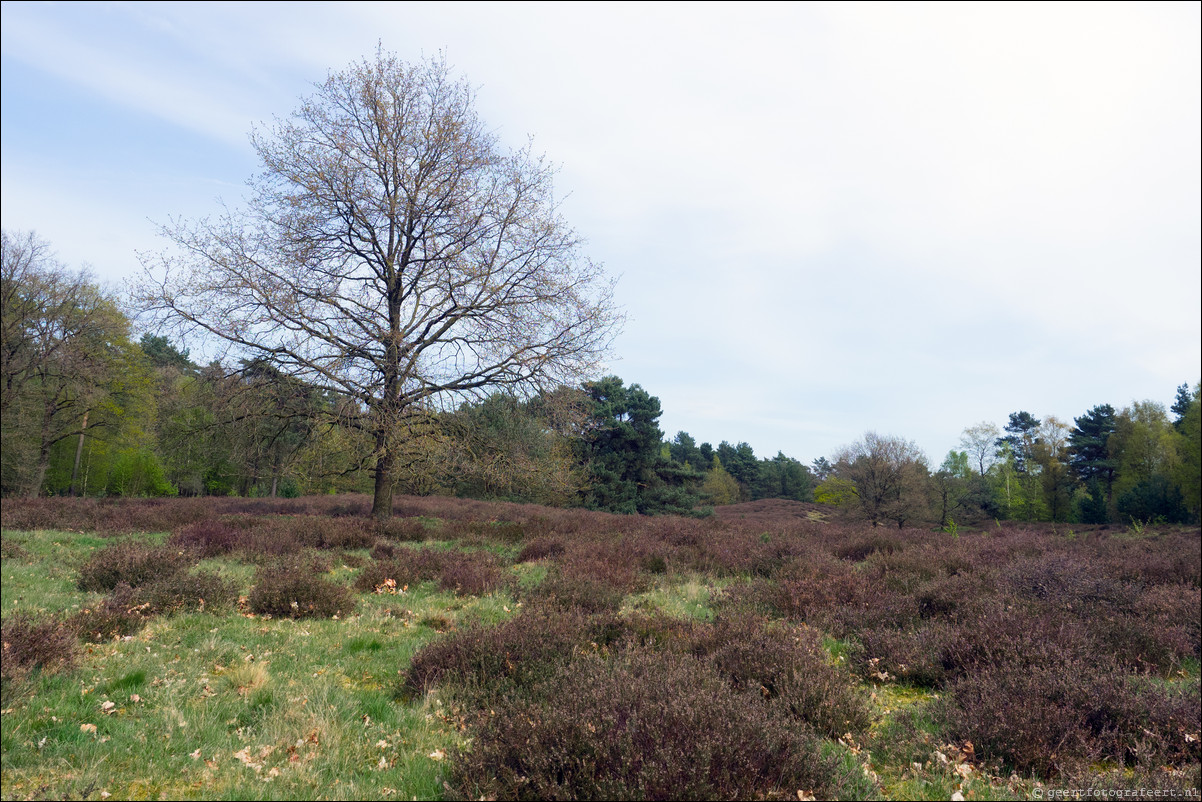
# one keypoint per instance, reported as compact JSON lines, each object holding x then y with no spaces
{"x":789,"y":666}
{"x":198,"y":590}
{"x":644,"y":725}
{"x":11,"y":549}
{"x":291,"y":589}
{"x":405,"y":530}
{"x":1050,"y":716}
{"x":407,"y":567}
{"x":120,"y":613}
{"x":30,"y":644}
{"x":471,"y":574}
{"x":208,"y":538}
{"x":540,"y":548}
{"x":587,"y":595}
{"x":516,"y":652}
{"x":133,"y":563}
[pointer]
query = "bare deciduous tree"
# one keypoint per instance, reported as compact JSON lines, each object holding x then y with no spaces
{"x":392,"y":251}
{"x":890,"y":477}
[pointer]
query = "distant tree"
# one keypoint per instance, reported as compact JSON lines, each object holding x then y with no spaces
{"x":1089,"y":455}
{"x":1055,"y":480}
{"x":890,"y":477}
{"x":1142,"y":445}
{"x":719,"y":487}
{"x":620,"y":449}
{"x":1188,"y":474}
{"x":821,"y":468}
{"x":67,"y":367}
{"x":1181,"y":404}
{"x":163,"y":354}
{"x":741,"y":463}
{"x":394,"y":253}
{"x":782,"y":477}
{"x":504,"y":448}
{"x":836,"y":491}
{"x":684,"y":450}
{"x":1023,"y":429}
{"x":980,"y":443}
{"x":953,"y":483}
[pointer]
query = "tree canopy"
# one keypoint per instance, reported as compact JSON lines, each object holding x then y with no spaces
{"x":393,"y":251}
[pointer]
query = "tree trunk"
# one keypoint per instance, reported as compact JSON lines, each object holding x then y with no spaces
{"x":381,"y":505}
{"x":39,"y":472}
{"x":78,"y":454}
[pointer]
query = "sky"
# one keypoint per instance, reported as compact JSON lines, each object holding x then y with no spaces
{"x":824,"y":219}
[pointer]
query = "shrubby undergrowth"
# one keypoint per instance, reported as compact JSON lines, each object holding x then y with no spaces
{"x":1056,"y":655}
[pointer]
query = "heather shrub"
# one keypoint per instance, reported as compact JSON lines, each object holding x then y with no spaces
{"x":338,"y":533}
{"x":208,"y":538}
{"x":515,"y":652}
{"x":581,"y":592}
{"x":197,"y":590}
{"x":861,"y":547}
{"x":291,"y":589}
{"x":471,"y":573}
{"x":11,"y":549}
{"x":403,"y":530}
{"x":383,"y":550}
{"x":1050,"y":715}
{"x":120,"y":613}
{"x":788,"y":666}
{"x":540,"y":548}
{"x":29,"y":644}
{"x":132,"y":562}
{"x":644,"y":725}
{"x":942,"y":650}
{"x":407,"y":567}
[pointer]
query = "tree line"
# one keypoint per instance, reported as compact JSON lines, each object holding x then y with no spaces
{"x":88,"y":410}
{"x":400,"y":304}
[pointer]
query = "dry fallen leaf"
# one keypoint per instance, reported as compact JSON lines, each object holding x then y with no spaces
{"x":437,"y":754}
{"x":195,"y":755}
{"x":87,"y":728}
{"x":107,"y":707}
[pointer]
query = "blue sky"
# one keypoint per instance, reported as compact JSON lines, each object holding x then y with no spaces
{"x":825,"y":218}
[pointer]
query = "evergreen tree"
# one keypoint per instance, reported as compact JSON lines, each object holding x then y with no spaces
{"x":621,"y":449}
{"x":1089,"y":456}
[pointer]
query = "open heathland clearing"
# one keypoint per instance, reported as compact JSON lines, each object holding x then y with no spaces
{"x":276,"y":649}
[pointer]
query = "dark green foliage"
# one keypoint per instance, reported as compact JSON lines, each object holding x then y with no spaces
{"x":621,"y":449}
{"x":1182,"y":402}
{"x":782,"y":477}
{"x":1023,"y":428}
{"x":292,"y":589}
{"x":1089,"y":457}
{"x":1154,"y":499}
{"x":1091,"y":509}
{"x":644,"y":725}
{"x":133,"y":563}
{"x":163,"y":354}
